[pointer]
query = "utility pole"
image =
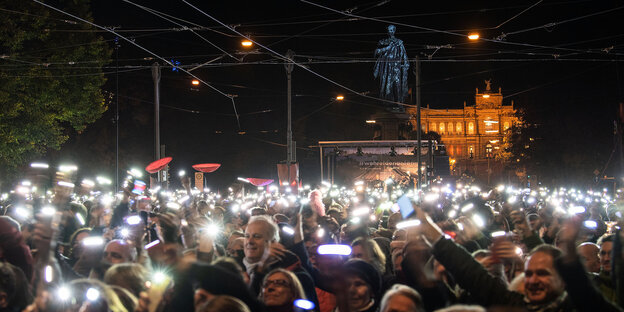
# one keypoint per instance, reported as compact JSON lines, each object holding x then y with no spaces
{"x":116,"y":115}
{"x":290,"y":156}
{"x":419,"y":130}
{"x":156,"y":78}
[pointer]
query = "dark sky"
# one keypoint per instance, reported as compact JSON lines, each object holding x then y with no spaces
{"x":559,"y":61}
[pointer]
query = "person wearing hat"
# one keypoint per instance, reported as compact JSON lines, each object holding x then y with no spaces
{"x":363,"y":286}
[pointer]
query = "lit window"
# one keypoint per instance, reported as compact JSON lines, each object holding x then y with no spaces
{"x":449,"y":126}
{"x":432,"y":127}
{"x":441,"y":127}
{"x":470,"y":128}
{"x":458,"y":127}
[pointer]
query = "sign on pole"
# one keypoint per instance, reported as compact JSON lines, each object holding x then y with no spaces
{"x":199,"y":180}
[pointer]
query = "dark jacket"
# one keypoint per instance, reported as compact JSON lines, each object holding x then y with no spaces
{"x":485,"y":289}
{"x":580,"y":289}
{"x":291,"y":263}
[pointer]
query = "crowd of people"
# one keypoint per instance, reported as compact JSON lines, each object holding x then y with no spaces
{"x":362,"y":247}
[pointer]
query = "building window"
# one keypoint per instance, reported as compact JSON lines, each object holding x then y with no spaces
{"x":458,"y":127}
{"x":449,"y":127}
{"x":432,"y":127}
{"x":470,"y":128}
{"x":441,"y":127}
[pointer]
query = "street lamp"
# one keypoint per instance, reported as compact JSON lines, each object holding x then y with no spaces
{"x":473,"y":36}
{"x":340,"y":98}
{"x":195,"y":82}
{"x":246,"y":43}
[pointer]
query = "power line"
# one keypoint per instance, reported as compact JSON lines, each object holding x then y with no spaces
{"x":284,"y":58}
{"x":146,"y":50}
{"x":444,"y":31}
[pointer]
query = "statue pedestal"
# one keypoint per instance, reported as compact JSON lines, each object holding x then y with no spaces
{"x":391,"y":126}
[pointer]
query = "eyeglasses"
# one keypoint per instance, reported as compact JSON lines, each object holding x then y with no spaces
{"x":279,"y":283}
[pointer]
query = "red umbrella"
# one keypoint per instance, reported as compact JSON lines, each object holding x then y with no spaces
{"x":259,"y":182}
{"x":158,"y":165}
{"x":207,"y":168}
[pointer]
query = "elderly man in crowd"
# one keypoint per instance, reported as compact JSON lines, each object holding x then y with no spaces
{"x":263,"y":253}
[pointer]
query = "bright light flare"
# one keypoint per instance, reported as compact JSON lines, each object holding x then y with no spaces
{"x":39,"y":165}
{"x":246,"y":43}
{"x":48,"y":274}
{"x":473,"y":36}
{"x":63,"y":293}
{"x":48,"y":211}
{"x":93,"y":294}
{"x":93,"y":241}
{"x":68,"y":168}
{"x":133,"y":220}
{"x":304,"y":304}
{"x":334,"y":249}
{"x":407,"y":223}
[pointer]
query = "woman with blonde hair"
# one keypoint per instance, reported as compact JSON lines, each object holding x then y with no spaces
{"x":223,"y":304}
{"x":369,"y":251}
{"x":280,"y":289}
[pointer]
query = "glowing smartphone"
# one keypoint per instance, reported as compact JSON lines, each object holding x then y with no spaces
{"x":405,"y":206}
{"x":139,"y":187}
{"x":334,"y":249}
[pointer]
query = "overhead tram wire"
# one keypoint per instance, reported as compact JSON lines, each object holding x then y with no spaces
{"x":377,"y":4}
{"x":444,"y":31}
{"x":284,"y":58}
{"x":148,"y":51}
{"x":186,"y":28}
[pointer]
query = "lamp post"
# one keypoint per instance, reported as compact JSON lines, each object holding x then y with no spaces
{"x":156,"y":78}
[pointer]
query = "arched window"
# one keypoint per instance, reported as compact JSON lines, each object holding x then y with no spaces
{"x":432,"y":127}
{"x":449,"y":127}
{"x":441,"y":127}
{"x":470,"y":128}
{"x":458,"y":127}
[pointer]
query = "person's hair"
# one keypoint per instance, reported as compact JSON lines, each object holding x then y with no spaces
{"x":295,"y":284}
{"x":8,"y":282}
{"x":462,"y":308}
{"x":271,"y":228}
{"x":237,"y":233}
{"x":553,"y":251}
{"x":131,"y":276}
{"x":374,"y":251}
{"x":128,"y":300}
{"x":107,"y":297}
{"x":406,"y":291}
{"x":131,"y":250}
{"x":605,"y":238}
{"x":481,"y":253}
{"x":228,"y":264}
{"x":72,"y":239}
{"x":223,"y":303}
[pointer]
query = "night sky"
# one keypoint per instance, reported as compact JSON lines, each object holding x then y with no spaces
{"x":566,"y":77}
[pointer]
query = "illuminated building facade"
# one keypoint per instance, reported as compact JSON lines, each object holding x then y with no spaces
{"x":472,"y":135}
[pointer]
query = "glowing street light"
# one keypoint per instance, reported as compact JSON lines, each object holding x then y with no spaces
{"x":195,"y":82}
{"x":340,"y":98}
{"x":371,"y":121}
{"x":246,"y":43}
{"x":40,"y":165}
{"x":473,"y":36}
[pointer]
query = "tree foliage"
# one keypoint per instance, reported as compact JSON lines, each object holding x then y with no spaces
{"x":50,"y":77}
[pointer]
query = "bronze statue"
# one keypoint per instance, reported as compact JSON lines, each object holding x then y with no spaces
{"x":392,"y":67}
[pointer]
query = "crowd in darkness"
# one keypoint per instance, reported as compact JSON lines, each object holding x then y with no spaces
{"x":371,"y":246}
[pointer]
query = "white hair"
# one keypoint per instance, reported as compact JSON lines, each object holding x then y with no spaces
{"x":272,"y":229}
